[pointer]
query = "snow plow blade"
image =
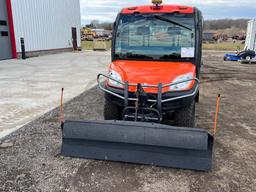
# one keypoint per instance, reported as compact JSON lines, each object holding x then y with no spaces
{"x":137,"y":142}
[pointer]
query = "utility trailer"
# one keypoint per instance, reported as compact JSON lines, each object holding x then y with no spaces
{"x":248,"y":55}
{"x":153,"y":77}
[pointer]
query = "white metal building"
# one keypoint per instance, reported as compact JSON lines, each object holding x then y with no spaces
{"x":45,"y":25}
{"x":251,"y":35}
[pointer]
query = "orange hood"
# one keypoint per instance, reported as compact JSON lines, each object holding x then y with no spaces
{"x":151,"y":72}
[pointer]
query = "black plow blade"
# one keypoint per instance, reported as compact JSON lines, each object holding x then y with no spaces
{"x":142,"y":143}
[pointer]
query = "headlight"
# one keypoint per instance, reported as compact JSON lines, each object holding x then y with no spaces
{"x":184,"y":85}
{"x":116,"y":76}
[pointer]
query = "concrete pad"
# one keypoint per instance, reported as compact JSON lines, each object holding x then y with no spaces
{"x":29,"y":88}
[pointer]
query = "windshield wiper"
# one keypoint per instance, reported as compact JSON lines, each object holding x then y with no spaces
{"x":171,"y":56}
{"x":117,"y":55}
{"x":132,"y":56}
{"x":139,"y":56}
{"x":171,"y":21}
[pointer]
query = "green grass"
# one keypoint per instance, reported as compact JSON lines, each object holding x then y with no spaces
{"x":223,"y":46}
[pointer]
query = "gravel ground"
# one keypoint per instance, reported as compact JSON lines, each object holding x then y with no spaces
{"x":33,"y":162}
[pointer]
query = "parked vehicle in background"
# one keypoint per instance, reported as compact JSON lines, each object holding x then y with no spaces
{"x":248,"y":54}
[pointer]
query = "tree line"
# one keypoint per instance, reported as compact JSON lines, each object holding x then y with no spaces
{"x":218,"y":24}
{"x":95,"y":24}
{"x":225,"y":24}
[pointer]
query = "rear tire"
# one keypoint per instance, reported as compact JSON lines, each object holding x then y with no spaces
{"x":185,"y":117}
{"x":111,"y":111}
{"x":248,"y":58}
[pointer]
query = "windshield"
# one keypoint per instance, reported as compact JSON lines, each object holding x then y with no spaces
{"x":156,"y":37}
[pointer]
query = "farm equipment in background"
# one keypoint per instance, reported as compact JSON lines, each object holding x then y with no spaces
{"x":152,"y":79}
{"x":248,"y":55}
{"x":87,"y":34}
{"x":231,"y":57}
{"x":243,"y":56}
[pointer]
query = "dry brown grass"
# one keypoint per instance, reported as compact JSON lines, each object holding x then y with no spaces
{"x":87,"y":45}
{"x":223,"y":46}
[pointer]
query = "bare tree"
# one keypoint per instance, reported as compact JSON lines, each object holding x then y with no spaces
{"x":94,"y":23}
{"x":225,"y":24}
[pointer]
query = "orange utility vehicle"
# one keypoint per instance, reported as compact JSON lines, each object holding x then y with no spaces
{"x":153,"y":78}
{"x":152,"y":45}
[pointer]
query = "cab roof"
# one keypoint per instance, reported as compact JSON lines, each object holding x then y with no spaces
{"x":159,"y":9}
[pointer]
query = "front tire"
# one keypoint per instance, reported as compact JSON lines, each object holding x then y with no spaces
{"x":111,"y":111}
{"x":185,"y":117}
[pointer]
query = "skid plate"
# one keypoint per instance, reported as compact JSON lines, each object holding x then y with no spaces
{"x":142,"y":143}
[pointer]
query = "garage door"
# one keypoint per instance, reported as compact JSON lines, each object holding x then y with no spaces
{"x":5,"y":41}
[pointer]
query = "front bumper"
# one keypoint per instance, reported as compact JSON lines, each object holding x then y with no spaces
{"x":162,"y":101}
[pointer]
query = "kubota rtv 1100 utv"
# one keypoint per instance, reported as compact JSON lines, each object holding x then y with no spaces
{"x":157,"y":49}
{"x":153,"y":77}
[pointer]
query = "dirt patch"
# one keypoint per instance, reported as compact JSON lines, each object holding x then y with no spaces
{"x":34,"y":163}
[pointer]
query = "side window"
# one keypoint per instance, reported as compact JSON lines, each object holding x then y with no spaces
{"x":3,"y":23}
{"x":4,"y":33}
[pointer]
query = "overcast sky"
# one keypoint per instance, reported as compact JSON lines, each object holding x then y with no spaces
{"x":106,"y":10}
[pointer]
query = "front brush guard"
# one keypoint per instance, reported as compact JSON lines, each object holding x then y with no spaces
{"x":159,"y":101}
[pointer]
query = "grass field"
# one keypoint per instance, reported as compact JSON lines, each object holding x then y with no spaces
{"x":88,"y":45}
{"x":223,"y":46}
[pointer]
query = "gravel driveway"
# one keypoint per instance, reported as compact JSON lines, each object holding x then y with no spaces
{"x":33,"y":162}
{"x":30,"y":88}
